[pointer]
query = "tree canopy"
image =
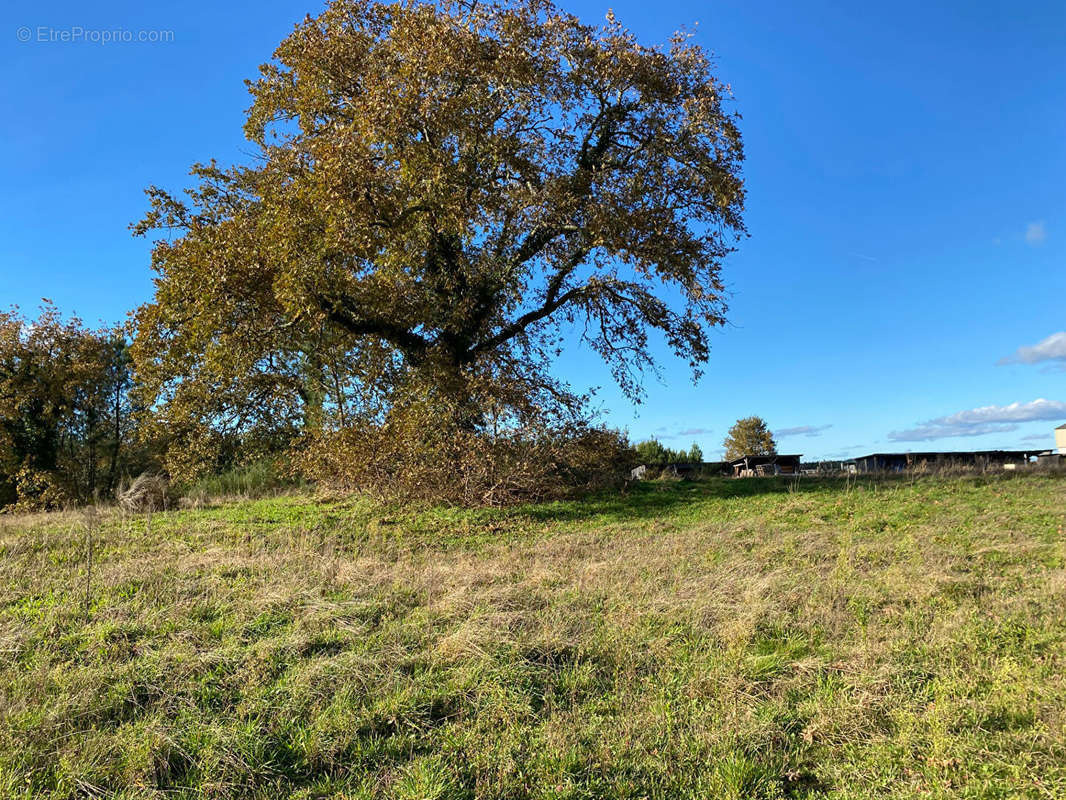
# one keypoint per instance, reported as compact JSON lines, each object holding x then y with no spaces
{"x":749,"y":437}
{"x":65,"y":413}
{"x":439,"y":192}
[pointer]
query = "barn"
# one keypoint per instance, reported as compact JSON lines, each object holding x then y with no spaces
{"x":899,"y":462}
{"x":751,"y":465}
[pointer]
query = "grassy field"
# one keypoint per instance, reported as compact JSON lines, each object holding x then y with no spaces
{"x":893,"y":638}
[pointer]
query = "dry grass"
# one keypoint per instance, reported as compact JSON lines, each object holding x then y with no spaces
{"x":745,"y":639}
{"x":146,"y":493}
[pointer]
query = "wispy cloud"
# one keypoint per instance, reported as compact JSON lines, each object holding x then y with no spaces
{"x":802,"y":430}
{"x":1038,"y":437}
{"x":983,"y":420}
{"x":1035,"y":233}
{"x":865,"y":257}
{"x":693,"y":432}
{"x":666,"y":432}
{"x":1053,"y":348}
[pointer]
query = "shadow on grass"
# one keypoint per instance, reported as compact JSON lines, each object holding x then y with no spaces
{"x":652,"y":499}
{"x":641,"y":501}
{"x":658,"y":498}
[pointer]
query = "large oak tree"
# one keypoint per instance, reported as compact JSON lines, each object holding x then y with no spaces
{"x":437,"y":191}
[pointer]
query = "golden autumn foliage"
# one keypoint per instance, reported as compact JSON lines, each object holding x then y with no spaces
{"x":65,"y":417}
{"x":749,"y":437}
{"x":438,"y":191}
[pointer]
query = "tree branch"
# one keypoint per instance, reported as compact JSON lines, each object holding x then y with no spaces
{"x":345,"y":312}
{"x":553,"y":301}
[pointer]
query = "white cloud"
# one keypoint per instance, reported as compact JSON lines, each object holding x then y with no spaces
{"x":1053,"y":348}
{"x":1015,"y":412}
{"x":1035,"y":233}
{"x":802,"y":430}
{"x":983,"y":420}
{"x":928,"y":432}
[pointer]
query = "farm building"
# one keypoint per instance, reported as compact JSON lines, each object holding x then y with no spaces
{"x":1049,"y":458}
{"x":750,"y":466}
{"x":898,"y":462}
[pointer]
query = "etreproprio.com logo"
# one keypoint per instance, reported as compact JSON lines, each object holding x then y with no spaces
{"x":76,"y":34}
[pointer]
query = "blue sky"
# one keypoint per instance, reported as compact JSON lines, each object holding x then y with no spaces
{"x":907,"y":201}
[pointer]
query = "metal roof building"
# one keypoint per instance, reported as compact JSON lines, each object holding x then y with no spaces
{"x":898,"y":462}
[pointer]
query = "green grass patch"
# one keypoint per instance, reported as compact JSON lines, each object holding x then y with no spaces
{"x":762,"y":638}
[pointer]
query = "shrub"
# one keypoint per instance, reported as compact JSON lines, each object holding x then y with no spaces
{"x":39,"y":490}
{"x":407,"y":459}
{"x":257,"y":479}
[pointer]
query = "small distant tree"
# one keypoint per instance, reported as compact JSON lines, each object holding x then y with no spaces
{"x":652,"y":452}
{"x":749,"y":437}
{"x":695,"y":454}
